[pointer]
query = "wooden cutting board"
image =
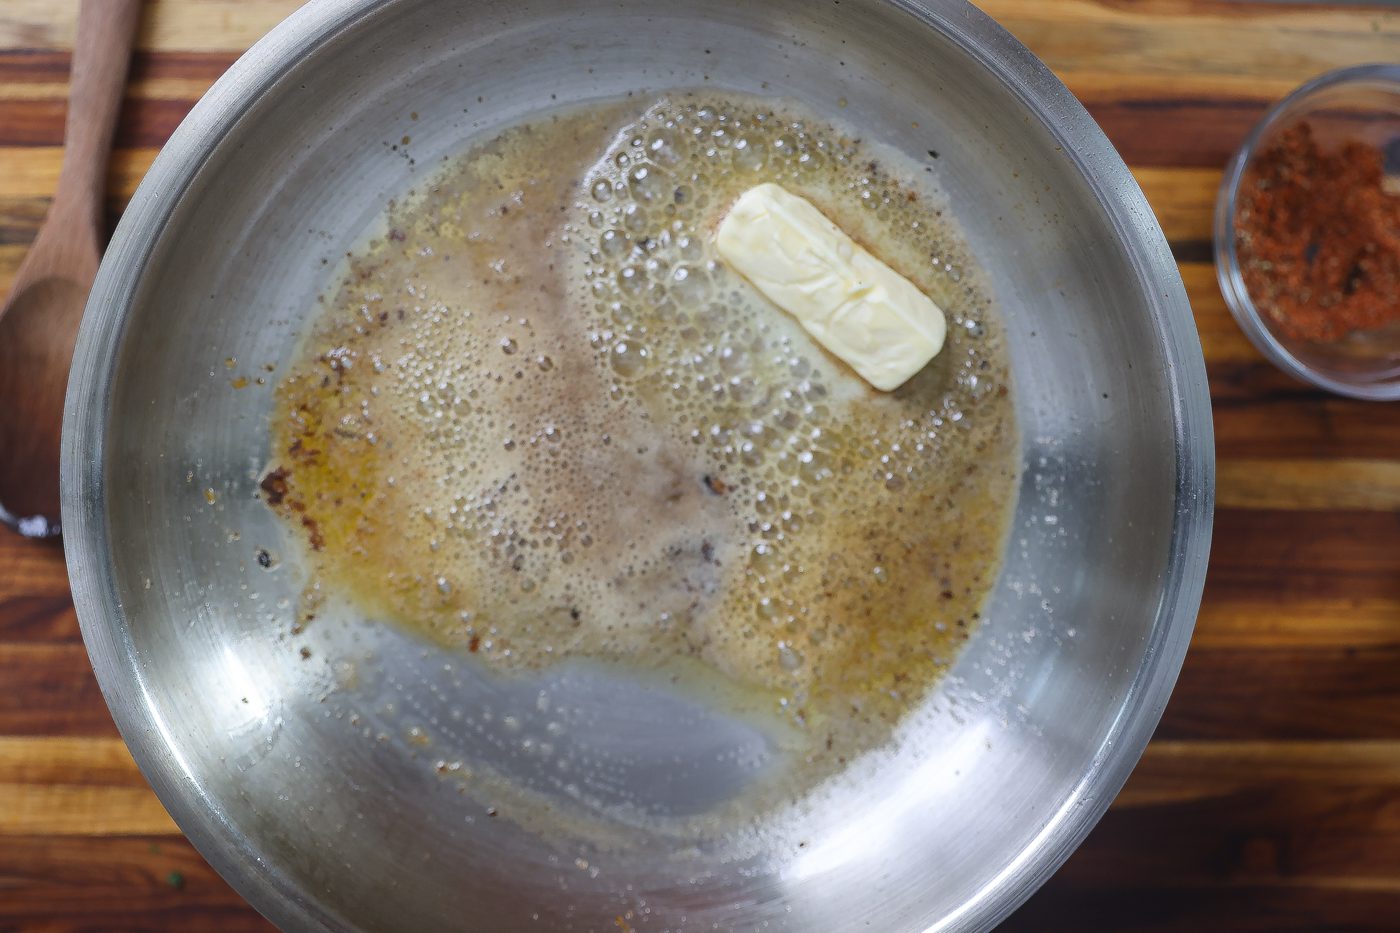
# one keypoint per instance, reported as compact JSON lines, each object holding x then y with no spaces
{"x":1270,"y":798}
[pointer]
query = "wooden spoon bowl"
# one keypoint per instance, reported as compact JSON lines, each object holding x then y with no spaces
{"x":39,"y":321}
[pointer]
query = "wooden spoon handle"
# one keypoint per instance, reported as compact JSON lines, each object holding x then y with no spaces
{"x":101,"y":54}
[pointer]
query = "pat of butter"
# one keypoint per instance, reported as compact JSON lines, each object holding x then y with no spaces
{"x":871,"y":317}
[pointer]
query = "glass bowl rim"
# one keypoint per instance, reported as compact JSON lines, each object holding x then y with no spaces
{"x":1227,"y":268}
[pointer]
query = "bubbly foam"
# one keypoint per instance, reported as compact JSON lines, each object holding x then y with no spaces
{"x":540,"y":419}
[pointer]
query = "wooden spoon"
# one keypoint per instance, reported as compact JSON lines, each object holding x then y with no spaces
{"x":39,"y":322}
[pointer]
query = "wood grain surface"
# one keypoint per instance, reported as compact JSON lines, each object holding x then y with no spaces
{"x":1270,"y":797}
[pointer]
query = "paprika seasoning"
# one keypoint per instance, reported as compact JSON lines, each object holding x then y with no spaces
{"x":1317,"y":236}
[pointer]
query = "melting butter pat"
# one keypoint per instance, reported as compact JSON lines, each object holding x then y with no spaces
{"x":873,"y":318}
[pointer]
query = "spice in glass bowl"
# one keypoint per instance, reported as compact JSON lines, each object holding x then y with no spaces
{"x":1318,"y":237}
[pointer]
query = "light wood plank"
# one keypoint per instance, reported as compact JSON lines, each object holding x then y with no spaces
{"x":191,"y":25}
{"x":10,"y":256}
{"x":1222,"y":341}
{"x":1171,"y":772}
{"x":28,"y":568}
{"x":1296,"y":621}
{"x":82,"y":810}
{"x":1147,"y":37}
{"x":60,"y":760}
{"x":1182,"y":198}
{"x":1259,"y":483}
{"x":183,"y":89}
{"x":33,"y":171}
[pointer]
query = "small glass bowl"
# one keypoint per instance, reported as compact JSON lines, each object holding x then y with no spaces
{"x":1352,"y":104}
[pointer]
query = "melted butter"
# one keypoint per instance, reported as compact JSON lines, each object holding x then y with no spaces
{"x":540,"y":419}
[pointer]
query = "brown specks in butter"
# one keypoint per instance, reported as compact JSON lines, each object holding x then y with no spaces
{"x":540,"y":419}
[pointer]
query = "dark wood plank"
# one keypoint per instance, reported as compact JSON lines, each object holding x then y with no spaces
{"x":20,"y":66}
{"x":1276,"y":555}
{"x":38,"y":619}
{"x":35,"y":604}
{"x":204,"y":67}
{"x":51,"y":66}
{"x":109,"y":884}
{"x":1276,"y":834}
{"x":32,"y":568}
{"x":1239,"y":836}
{"x":1286,"y":693}
{"x":1075,"y":903}
{"x":1196,"y":132}
{"x":1300,"y":578}
{"x":39,"y":122}
{"x":49,"y":689}
{"x":161,"y":89}
{"x":1261,"y":412}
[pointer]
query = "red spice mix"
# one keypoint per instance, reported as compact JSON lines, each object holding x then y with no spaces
{"x":1318,"y":238}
